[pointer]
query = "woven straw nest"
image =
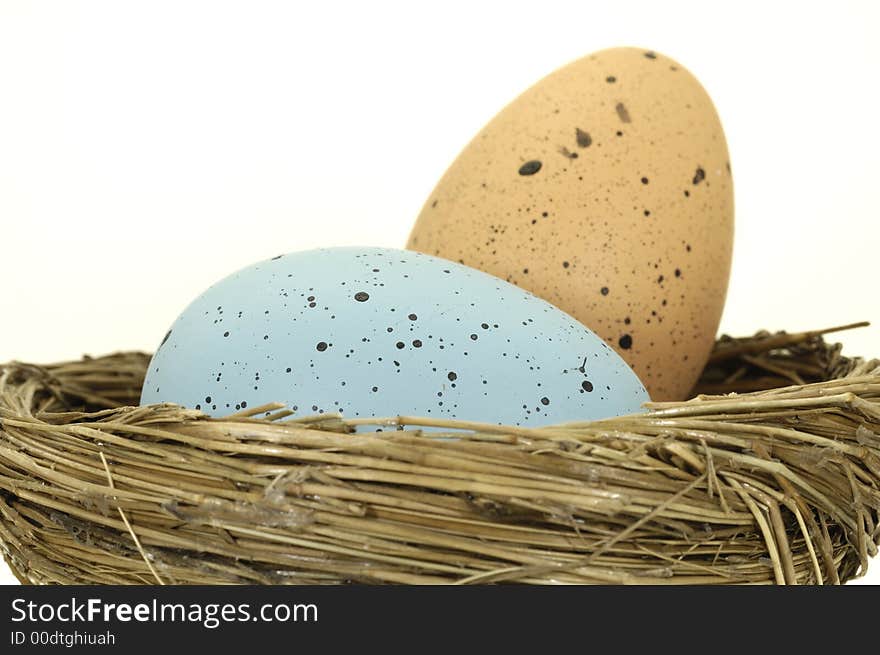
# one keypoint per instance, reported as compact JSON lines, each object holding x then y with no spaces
{"x":773,"y":486}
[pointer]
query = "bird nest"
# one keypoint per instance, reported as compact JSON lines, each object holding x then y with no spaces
{"x":777,"y":483}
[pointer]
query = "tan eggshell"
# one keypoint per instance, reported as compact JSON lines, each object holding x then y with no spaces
{"x":606,"y":190}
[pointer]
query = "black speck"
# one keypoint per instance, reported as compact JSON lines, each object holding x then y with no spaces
{"x":277,"y":257}
{"x":645,"y":181}
{"x":473,"y":337}
{"x":226,"y":334}
{"x":650,"y":55}
{"x":530,"y":167}
{"x":699,"y":176}
{"x":565,"y":152}
{"x":604,"y":291}
{"x":587,"y":386}
{"x":583,"y":138}
{"x":611,"y":79}
{"x":625,"y":342}
{"x":622,"y":113}
{"x":677,"y":272}
{"x":565,"y":264}
{"x":165,"y":338}
{"x":417,"y":343}
{"x":412,"y":317}
{"x":362,"y":296}
{"x":452,"y":376}
{"x":321,"y":347}
{"x":400,"y":345}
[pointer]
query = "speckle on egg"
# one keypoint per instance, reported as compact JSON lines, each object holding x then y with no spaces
{"x":530,"y":167}
{"x":583,"y":138}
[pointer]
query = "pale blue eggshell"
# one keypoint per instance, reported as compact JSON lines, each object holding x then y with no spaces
{"x":383,"y":332}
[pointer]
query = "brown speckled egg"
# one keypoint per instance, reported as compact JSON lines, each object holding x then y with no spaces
{"x":606,"y":190}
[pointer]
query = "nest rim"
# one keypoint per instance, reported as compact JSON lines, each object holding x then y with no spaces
{"x":778,"y":485}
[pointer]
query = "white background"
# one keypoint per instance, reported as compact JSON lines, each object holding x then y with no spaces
{"x":148,"y":149}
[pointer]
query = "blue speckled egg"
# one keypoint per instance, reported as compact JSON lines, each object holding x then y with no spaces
{"x":382,"y":332}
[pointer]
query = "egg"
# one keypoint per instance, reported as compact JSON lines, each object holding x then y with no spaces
{"x":605,"y":189}
{"x":373,"y":332}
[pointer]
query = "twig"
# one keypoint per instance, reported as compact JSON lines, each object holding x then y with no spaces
{"x":137,"y":542}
